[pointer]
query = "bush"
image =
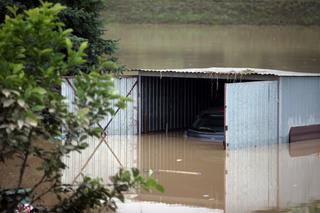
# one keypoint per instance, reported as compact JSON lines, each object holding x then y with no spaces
{"x":35,"y":52}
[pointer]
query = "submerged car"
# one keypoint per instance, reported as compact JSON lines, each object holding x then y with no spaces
{"x":209,"y":125}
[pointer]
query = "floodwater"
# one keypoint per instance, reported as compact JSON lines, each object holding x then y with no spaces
{"x":201,"y":176}
{"x":295,"y":48}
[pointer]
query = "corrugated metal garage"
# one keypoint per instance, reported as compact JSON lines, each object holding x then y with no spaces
{"x":260,"y":105}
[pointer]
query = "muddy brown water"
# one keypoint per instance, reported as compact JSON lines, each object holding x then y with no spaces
{"x":295,"y":48}
{"x":200,"y":176}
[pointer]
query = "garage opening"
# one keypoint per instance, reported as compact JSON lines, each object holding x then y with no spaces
{"x":171,"y":100}
{"x":173,"y":103}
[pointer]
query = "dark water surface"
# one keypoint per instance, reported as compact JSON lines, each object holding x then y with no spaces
{"x":295,"y":48}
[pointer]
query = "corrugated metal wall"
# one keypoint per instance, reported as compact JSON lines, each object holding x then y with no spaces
{"x":122,"y":137}
{"x":251,"y":113}
{"x":125,"y":122}
{"x":299,"y":103}
{"x":103,"y":164}
{"x":173,"y":103}
{"x":67,"y":91}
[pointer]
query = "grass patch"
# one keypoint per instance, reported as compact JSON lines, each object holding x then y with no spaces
{"x":273,"y":12}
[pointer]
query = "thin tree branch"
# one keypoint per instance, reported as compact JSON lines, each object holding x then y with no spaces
{"x":22,"y":171}
{"x":39,"y":182}
{"x":23,"y":168}
{"x":43,"y":193}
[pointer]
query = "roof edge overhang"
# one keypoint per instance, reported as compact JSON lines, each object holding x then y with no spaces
{"x":228,"y":73}
{"x":224,"y":73}
{"x":225,"y":76}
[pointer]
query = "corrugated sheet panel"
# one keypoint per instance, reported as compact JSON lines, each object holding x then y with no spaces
{"x":251,"y":113}
{"x":121,"y":138}
{"x":103,"y":164}
{"x":299,"y":103}
{"x":173,"y":103}
{"x":125,"y":121}
{"x":68,"y":93}
{"x":251,"y":179}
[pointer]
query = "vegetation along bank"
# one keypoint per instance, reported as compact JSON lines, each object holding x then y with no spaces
{"x":256,"y":12}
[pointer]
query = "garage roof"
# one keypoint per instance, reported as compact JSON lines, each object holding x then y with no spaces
{"x":231,"y":71}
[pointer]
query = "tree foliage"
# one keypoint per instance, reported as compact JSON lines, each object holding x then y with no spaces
{"x":35,"y":53}
{"x":83,"y":16}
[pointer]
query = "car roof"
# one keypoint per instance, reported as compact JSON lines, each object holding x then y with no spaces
{"x":213,"y":111}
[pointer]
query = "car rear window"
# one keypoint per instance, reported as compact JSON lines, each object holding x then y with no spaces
{"x":209,"y":122}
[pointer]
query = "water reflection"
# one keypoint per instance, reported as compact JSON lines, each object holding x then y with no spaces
{"x":203,"y":175}
{"x":299,"y":176}
{"x":192,"y":172}
{"x":152,"y":207}
{"x":305,"y":148}
{"x":181,"y":46}
{"x":251,"y":179}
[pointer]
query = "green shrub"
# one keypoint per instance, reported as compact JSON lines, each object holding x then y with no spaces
{"x":35,"y":53}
